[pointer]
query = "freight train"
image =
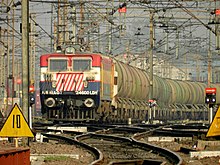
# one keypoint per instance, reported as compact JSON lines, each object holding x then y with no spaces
{"x":91,"y":86}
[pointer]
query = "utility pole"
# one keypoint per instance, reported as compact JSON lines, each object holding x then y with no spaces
{"x":64,"y":23}
{"x":32,"y":48}
{"x":1,"y":57}
{"x":73,"y":40}
{"x":166,"y":43}
{"x":217,"y":26}
{"x":198,"y":69}
{"x":210,"y":112}
{"x":109,"y":27}
{"x":151,"y":62}
{"x":177,"y":43}
{"x":55,"y":27}
{"x":13,"y":55}
{"x":80,"y":39}
{"x":25,"y":58}
{"x":2,"y":65}
{"x":122,"y":17}
{"x":51,"y":30}
{"x":128,"y":52}
{"x":58,"y":25}
{"x":209,"y":62}
{"x":8,"y":61}
{"x":3,"y":60}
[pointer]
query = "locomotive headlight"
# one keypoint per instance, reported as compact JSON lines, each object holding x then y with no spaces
{"x":85,"y":83}
{"x":54,"y":84}
{"x":50,"y":102}
{"x":89,"y":102}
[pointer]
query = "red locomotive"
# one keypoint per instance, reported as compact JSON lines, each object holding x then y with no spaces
{"x":75,"y":86}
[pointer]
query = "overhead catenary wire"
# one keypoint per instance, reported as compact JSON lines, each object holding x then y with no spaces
{"x":187,"y":11}
{"x":41,"y":28}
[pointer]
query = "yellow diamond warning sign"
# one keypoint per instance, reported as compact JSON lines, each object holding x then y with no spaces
{"x":16,"y":125}
{"x":214,"y":129}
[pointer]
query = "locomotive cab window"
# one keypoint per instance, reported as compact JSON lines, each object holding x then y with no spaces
{"x":57,"y":65}
{"x":81,"y":64}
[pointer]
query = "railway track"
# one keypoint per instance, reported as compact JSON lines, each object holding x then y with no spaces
{"x":120,"y":144}
{"x":121,"y":149}
{"x":116,"y":146}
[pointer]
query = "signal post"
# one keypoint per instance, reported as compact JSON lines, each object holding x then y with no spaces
{"x":31,"y":102}
{"x":210,"y":99}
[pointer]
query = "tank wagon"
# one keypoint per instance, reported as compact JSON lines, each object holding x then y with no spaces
{"x":82,"y":87}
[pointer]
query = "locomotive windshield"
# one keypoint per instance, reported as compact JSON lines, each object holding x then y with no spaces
{"x":81,"y":64}
{"x":57,"y":65}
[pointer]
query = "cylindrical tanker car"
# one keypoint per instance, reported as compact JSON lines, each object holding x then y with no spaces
{"x":87,"y":86}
